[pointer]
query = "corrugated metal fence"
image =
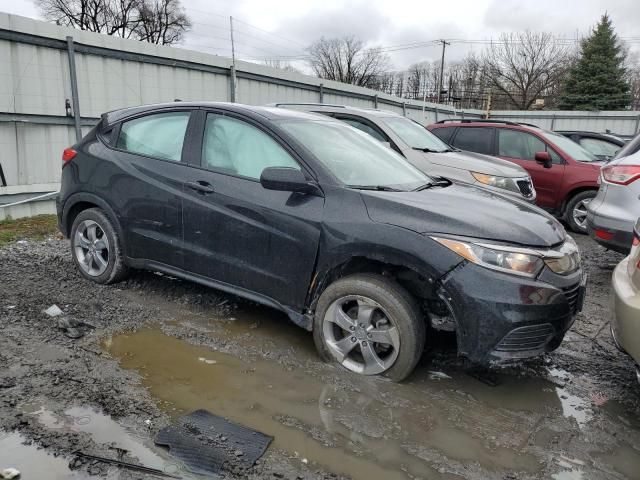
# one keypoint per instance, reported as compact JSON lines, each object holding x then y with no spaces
{"x":40,"y":108}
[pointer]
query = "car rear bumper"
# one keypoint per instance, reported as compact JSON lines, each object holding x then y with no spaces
{"x":502,"y":317}
{"x":625,"y":326}
{"x":619,"y":233}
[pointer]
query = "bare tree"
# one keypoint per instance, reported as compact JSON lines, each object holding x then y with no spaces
{"x":155,"y":21}
{"x":418,"y":80}
{"x":163,"y":22}
{"x":522,"y":67}
{"x":280,"y":65}
{"x":346,"y":60}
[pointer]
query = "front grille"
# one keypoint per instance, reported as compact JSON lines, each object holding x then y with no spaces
{"x":532,"y":337}
{"x":525,"y":187}
{"x":572,"y":293}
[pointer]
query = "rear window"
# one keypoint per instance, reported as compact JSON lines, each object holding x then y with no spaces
{"x":159,"y":135}
{"x":444,"y":133}
{"x":475,"y":139}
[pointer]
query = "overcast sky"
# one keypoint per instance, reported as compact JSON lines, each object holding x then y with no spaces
{"x":282,"y":28}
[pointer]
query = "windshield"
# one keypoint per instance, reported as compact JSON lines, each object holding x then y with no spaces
{"x":354,"y":157}
{"x":415,"y":135}
{"x":570,"y":147}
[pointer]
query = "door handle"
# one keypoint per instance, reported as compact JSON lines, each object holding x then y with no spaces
{"x":200,"y":187}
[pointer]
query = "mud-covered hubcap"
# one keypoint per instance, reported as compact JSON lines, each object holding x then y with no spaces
{"x":91,"y":248}
{"x":360,"y":335}
{"x":580,"y":213}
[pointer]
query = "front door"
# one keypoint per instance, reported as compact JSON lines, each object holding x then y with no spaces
{"x":236,"y":231}
{"x":520,"y":147}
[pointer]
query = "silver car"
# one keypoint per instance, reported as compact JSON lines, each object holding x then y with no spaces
{"x":427,"y":152}
{"x":613,"y":213}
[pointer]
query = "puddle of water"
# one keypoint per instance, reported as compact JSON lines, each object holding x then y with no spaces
{"x":33,"y":462}
{"x":625,"y":460}
{"x":346,"y":431}
{"x":103,"y":430}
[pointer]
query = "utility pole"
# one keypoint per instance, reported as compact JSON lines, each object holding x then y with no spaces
{"x":444,"y":45}
{"x":232,"y":70}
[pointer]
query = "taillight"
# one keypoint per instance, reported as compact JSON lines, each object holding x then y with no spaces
{"x":68,"y":154}
{"x":621,"y":174}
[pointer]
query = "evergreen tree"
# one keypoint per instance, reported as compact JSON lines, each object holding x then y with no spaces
{"x":597,"y":79}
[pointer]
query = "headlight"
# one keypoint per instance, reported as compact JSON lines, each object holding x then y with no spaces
{"x":493,"y":181}
{"x":519,"y":261}
{"x":566,"y":259}
{"x":513,"y":262}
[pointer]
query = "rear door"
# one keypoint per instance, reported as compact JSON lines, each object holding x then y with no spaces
{"x":236,"y":231}
{"x":520,"y":147}
{"x":148,"y":189}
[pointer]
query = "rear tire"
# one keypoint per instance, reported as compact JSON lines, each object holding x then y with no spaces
{"x":96,"y":248}
{"x":393,"y":337}
{"x":576,"y":214}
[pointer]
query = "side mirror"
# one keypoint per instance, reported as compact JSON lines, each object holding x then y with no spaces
{"x":544,"y":159}
{"x":286,"y":179}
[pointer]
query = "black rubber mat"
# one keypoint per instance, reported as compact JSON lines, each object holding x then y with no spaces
{"x":209,"y":443}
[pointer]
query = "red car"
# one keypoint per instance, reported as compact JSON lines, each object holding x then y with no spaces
{"x":564,"y":174}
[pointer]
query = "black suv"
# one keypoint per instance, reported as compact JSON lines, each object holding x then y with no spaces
{"x":313,"y":217}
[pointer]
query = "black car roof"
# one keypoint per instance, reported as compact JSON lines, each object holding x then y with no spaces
{"x":270,"y":113}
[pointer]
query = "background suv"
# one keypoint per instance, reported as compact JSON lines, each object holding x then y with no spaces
{"x":564,"y":174}
{"x":310,"y":216}
{"x":427,"y":152}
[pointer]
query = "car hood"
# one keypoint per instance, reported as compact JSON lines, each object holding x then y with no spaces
{"x":466,"y":211}
{"x":475,"y":162}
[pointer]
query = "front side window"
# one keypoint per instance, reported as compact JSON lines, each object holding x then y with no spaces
{"x":414,"y":135}
{"x":354,"y":157}
{"x":364,"y":127}
{"x":159,"y":135}
{"x":516,"y":144}
{"x":237,"y":148}
{"x":475,"y":139}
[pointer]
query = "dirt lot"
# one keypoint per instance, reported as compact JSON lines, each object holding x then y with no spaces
{"x":153,"y":348}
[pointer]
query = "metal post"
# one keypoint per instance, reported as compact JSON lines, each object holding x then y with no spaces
{"x":232,"y":70}
{"x":321,"y":93}
{"x":74,"y":88}
{"x":404,"y":108}
{"x":436,"y":112}
{"x":375,"y":101}
{"x":553,"y":121}
{"x":637,"y":124}
{"x":444,"y":44}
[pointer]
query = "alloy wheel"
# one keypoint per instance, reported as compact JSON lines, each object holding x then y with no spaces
{"x":360,"y":335}
{"x":91,"y":248}
{"x":580,"y":213}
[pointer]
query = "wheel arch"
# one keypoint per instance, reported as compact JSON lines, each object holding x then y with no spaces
{"x":79,"y":202}
{"x":572,"y":193}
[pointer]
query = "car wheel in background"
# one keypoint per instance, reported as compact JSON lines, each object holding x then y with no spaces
{"x":576,"y":212}
{"x":95,"y":247}
{"x":370,"y":325}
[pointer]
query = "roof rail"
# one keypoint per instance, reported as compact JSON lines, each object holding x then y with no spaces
{"x":305,"y":104}
{"x":484,"y":120}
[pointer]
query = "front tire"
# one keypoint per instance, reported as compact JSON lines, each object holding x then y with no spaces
{"x":370,"y":325}
{"x":576,"y":211}
{"x":96,"y":248}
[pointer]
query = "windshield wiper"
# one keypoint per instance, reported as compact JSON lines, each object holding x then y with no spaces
{"x":379,"y":188}
{"x":430,"y":150}
{"x":424,"y":187}
{"x":439,"y":182}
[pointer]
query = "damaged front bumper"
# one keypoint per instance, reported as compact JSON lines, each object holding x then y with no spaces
{"x":501,"y":317}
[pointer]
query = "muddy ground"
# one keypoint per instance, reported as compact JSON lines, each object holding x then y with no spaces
{"x":155,"y":348}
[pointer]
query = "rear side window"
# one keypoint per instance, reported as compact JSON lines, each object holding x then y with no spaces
{"x":475,"y":139}
{"x":444,"y":133}
{"x":238,"y":148}
{"x":160,"y":135}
